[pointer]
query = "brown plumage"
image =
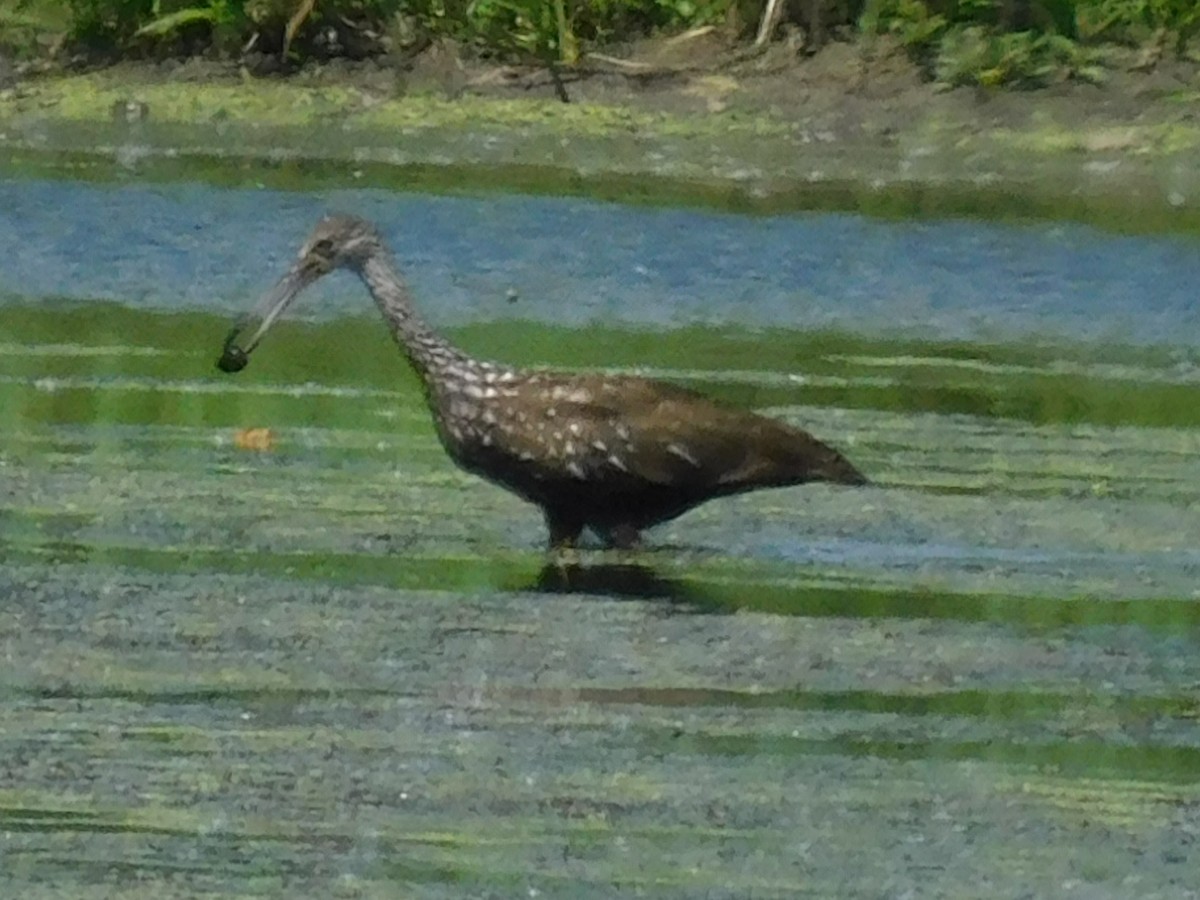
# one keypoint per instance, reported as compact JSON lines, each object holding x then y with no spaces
{"x":615,"y":453}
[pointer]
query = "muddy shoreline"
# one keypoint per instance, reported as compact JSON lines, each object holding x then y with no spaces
{"x":846,"y":129}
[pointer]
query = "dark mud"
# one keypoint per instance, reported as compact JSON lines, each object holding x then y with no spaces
{"x":853,"y":127}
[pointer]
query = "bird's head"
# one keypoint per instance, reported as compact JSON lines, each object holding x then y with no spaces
{"x":338,"y":241}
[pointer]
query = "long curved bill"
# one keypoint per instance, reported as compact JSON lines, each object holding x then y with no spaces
{"x":236,"y":352}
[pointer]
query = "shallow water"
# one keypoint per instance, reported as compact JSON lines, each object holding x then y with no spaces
{"x":338,"y":666}
{"x":577,"y":262}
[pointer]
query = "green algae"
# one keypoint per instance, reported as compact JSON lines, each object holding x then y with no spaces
{"x":1135,"y":178}
{"x":655,"y":782}
{"x":135,"y":357}
{"x":270,"y":102}
{"x":339,"y":666}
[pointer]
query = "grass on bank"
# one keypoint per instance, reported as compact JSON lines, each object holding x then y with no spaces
{"x":1020,"y":43}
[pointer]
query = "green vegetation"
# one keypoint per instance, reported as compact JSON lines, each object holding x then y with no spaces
{"x":1049,"y":384}
{"x":1027,"y":43}
{"x":1022,"y":43}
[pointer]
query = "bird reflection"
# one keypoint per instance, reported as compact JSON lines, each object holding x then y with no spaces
{"x":632,"y":581}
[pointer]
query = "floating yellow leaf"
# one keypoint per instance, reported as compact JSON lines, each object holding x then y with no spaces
{"x":254,"y":439}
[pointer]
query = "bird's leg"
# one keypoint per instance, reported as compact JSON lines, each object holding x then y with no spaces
{"x":623,"y":537}
{"x":564,"y":529}
{"x":564,"y":532}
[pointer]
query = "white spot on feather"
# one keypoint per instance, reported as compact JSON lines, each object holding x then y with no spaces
{"x":572,"y":395}
{"x":682,"y":452}
{"x":575,"y":469}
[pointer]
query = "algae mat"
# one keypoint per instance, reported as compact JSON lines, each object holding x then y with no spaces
{"x":336,"y":666}
{"x":935,"y":160}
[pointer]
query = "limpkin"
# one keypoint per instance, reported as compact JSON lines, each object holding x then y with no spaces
{"x":615,"y":453}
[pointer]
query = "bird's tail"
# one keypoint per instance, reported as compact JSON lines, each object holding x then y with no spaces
{"x":832,"y":466}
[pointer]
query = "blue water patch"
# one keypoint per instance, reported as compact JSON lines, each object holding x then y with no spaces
{"x":573,"y":261}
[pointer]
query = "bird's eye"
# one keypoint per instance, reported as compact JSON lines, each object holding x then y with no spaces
{"x":323,"y":247}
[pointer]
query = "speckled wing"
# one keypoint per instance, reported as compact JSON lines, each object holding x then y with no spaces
{"x":628,"y":433}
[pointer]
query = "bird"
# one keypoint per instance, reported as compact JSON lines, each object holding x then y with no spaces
{"x":613,"y":453}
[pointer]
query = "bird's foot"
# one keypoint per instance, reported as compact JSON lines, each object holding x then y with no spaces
{"x":564,"y":557}
{"x":564,"y":563}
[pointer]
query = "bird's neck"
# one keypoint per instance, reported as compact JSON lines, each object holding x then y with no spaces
{"x":430,"y":354}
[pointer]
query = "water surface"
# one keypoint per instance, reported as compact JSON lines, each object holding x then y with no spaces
{"x":336,"y":665}
{"x":576,"y":262}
